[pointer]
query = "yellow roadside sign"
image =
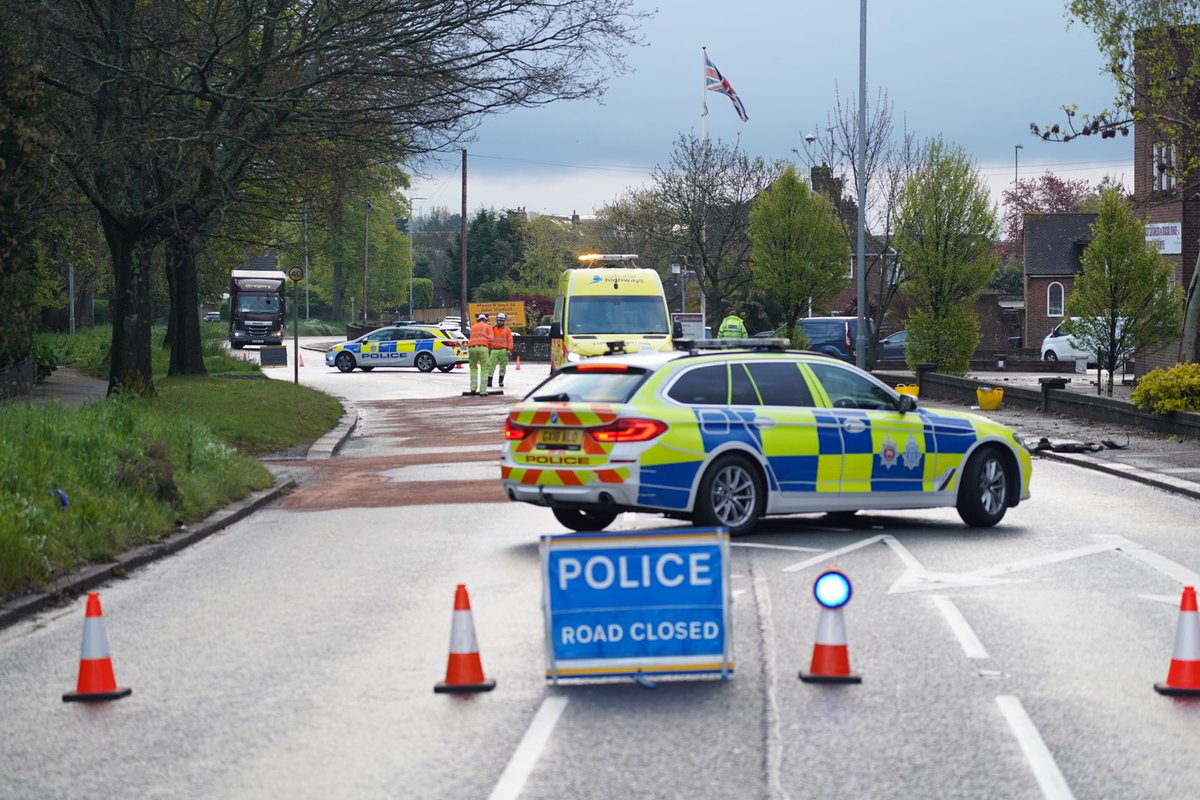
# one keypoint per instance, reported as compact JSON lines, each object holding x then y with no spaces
{"x":513,"y":309}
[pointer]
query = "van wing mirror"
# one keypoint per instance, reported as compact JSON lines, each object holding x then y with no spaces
{"x":556,"y":330}
{"x":677,"y":330}
{"x":907,"y":403}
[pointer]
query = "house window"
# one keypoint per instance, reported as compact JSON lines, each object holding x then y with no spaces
{"x":1163,"y":167}
{"x":1054,"y":300}
{"x":850,"y":273}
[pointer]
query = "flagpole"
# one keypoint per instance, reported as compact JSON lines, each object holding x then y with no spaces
{"x":704,"y":140}
{"x":703,"y":94}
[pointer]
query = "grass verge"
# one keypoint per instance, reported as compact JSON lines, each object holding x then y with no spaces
{"x":84,"y":484}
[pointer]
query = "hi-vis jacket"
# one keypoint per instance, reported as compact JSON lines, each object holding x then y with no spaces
{"x":502,"y":338}
{"x":481,"y":335}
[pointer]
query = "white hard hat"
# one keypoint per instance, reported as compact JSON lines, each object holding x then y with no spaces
{"x":481,"y":316}
{"x":502,"y":315}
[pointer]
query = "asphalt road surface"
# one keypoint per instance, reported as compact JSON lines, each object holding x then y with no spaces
{"x":294,"y":654}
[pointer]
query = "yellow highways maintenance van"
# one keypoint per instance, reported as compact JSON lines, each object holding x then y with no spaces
{"x":608,"y":305}
{"x":741,"y":428}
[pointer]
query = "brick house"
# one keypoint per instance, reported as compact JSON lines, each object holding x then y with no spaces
{"x":1172,"y":219}
{"x":1054,"y":245}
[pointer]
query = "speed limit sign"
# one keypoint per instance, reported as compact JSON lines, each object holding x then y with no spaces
{"x":296,"y":273}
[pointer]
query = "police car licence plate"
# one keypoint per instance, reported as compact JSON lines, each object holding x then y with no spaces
{"x":560,"y":437}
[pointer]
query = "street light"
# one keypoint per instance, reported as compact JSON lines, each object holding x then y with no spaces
{"x":860,"y":356}
{"x":679,"y":267}
{"x":1016,"y":147}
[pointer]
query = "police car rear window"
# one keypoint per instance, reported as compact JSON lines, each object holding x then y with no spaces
{"x":591,"y":386}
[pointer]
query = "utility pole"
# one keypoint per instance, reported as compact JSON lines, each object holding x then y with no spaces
{"x":860,"y":356}
{"x":366,"y":220}
{"x":306,"y":258}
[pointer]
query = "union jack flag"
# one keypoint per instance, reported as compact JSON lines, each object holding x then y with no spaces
{"x":714,"y":81}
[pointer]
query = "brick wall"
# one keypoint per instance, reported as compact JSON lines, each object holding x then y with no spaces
{"x":1037,"y":322}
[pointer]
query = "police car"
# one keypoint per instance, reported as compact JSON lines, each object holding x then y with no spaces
{"x":425,"y":347}
{"x":726,"y":436}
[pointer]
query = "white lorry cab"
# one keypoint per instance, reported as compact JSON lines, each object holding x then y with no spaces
{"x":608,"y":304}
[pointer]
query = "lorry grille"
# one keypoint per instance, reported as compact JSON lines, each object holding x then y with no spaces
{"x":257,"y":328}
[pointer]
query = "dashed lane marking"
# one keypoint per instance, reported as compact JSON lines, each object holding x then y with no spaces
{"x":1041,"y":761}
{"x":972,"y":647}
{"x":512,"y":780}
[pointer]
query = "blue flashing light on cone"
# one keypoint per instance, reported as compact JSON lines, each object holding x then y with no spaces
{"x":831,"y":655}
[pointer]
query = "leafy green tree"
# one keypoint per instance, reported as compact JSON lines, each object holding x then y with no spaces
{"x":494,"y":248}
{"x":550,"y":245}
{"x":1123,"y":300}
{"x":1152,"y":52}
{"x":800,"y":252}
{"x":946,"y":232}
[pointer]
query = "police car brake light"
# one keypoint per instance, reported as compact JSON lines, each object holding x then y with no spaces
{"x":629,"y":429}
{"x":601,"y":367}
{"x":514,"y":431}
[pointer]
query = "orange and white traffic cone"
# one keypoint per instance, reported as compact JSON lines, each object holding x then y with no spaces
{"x":1183,"y":679}
{"x":464,"y":670}
{"x":299,"y":358}
{"x":831,"y":655}
{"x":96,"y":678}
{"x":518,"y":363}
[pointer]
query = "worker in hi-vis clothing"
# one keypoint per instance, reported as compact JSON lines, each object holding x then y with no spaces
{"x":478,"y":349}
{"x":732,"y":327}
{"x":502,"y":344}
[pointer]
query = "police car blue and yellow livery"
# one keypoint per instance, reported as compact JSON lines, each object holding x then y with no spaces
{"x":425,"y":347}
{"x":725,"y":437}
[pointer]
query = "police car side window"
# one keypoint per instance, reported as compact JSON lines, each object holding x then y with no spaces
{"x":741,"y":390}
{"x":702,"y":386}
{"x":849,"y":390}
{"x":780,"y":383}
{"x":425,"y":335}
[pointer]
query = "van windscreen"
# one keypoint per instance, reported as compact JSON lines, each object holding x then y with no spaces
{"x":619,"y":314}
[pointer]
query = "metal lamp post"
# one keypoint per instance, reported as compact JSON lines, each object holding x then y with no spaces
{"x":860,"y":355}
{"x":1016,"y":147}
{"x":412,"y":265}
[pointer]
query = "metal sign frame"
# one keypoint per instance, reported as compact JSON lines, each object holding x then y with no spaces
{"x":632,"y":561}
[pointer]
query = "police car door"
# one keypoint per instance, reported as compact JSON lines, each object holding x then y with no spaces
{"x":885,"y":450}
{"x":406,"y":345}
{"x":801,"y":445}
{"x":369,"y":350}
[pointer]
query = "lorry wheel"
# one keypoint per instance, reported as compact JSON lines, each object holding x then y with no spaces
{"x":579,"y":520}
{"x":425,"y":362}
{"x":984,"y":489}
{"x":447,"y":368}
{"x":344,"y":362}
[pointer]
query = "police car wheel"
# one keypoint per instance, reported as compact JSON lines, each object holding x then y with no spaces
{"x":731,"y":495}
{"x":983,"y":493}
{"x":446,"y":367}
{"x":344,"y":362}
{"x":579,"y":520}
{"x":425,"y":362}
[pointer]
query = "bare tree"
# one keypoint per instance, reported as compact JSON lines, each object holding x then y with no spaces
{"x":699,"y":207}
{"x":892,"y":158}
{"x":165,"y":107}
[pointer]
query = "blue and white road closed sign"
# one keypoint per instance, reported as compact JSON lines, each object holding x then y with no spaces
{"x":629,"y":603}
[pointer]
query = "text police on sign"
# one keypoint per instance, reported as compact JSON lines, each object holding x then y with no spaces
{"x":630,"y":603}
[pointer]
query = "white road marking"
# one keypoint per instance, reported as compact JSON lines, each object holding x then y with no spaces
{"x":1043,"y":560}
{"x":793,"y":548}
{"x":512,"y":781}
{"x":972,"y":647}
{"x":1169,"y":599}
{"x":762,"y":598}
{"x":825,"y":557}
{"x":1041,"y":761}
{"x":900,"y":550}
{"x":1158,"y":562}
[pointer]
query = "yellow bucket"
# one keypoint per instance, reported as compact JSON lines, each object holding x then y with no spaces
{"x":908,"y":388}
{"x":989,"y":398}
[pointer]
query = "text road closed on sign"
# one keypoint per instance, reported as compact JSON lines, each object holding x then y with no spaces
{"x":628,"y":603}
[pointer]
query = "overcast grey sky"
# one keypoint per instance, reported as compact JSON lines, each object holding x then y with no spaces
{"x":977,"y":72}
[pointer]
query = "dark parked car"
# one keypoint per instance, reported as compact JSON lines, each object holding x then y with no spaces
{"x":892,"y":347}
{"x":833,"y":336}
